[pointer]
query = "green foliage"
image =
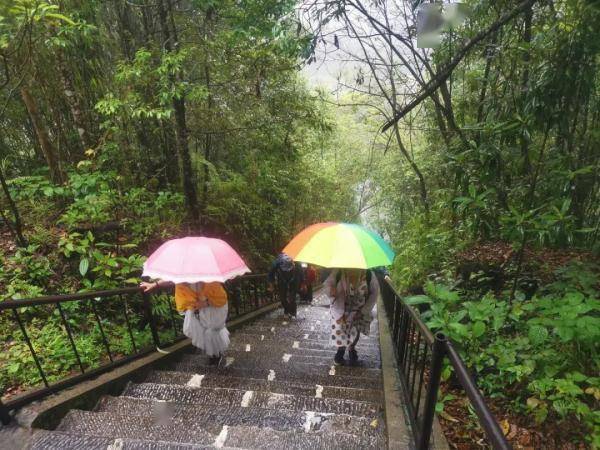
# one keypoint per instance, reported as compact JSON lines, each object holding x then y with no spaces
{"x":71,"y":259}
{"x":50,"y":341}
{"x":422,"y":248}
{"x":540,"y":355}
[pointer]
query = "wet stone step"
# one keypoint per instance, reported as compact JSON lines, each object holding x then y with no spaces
{"x":250,"y":399}
{"x":270,"y":335}
{"x":184,"y":394}
{"x":143,"y":428}
{"x":269,"y":439}
{"x":306,"y":339}
{"x":280,"y":420}
{"x":293,"y":346}
{"x":336,"y":376}
{"x":300,"y":322}
{"x":277,"y":356}
{"x":290,"y":370}
{"x":193,"y":432}
{"x":320,"y":332}
{"x":55,"y":440}
{"x":285,"y":363}
{"x":298,"y":354}
{"x":209,"y":380}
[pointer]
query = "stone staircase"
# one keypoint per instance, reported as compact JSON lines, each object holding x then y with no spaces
{"x":277,"y":388}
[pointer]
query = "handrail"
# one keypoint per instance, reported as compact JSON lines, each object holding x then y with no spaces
{"x":248,"y":293}
{"x":419,"y":352}
{"x":49,"y":299}
{"x":486,"y":418}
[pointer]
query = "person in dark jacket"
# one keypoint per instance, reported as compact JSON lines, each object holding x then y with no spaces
{"x":309,"y":276}
{"x":285,"y":273}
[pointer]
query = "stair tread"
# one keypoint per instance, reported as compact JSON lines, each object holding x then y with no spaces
{"x":276,"y":419}
{"x":257,"y":399}
{"x":299,"y":373}
{"x":303,"y":387}
{"x":269,"y":440}
{"x":319,"y":333}
{"x":60,"y":440}
{"x":194,"y":432}
{"x":277,"y":388}
{"x":306,"y":339}
{"x":296,"y":346}
{"x":293,"y":364}
{"x":367,"y":367}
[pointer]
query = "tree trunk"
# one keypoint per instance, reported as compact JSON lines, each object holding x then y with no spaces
{"x":415,"y":168}
{"x":525,"y":88}
{"x":209,"y":103}
{"x":181,"y":131}
{"x":185,"y":161}
{"x":15,"y":228}
{"x":74,"y":103}
{"x":56,"y":173}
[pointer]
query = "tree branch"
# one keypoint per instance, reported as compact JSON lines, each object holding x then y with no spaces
{"x":441,"y":77}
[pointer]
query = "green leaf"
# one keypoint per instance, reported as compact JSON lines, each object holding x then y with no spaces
{"x":537,"y":334}
{"x":478,"y":329}
{"x":84,"y":265}
{"x":60,"y":17}
{"x":417,"y":299}
{"x":459,"y":328}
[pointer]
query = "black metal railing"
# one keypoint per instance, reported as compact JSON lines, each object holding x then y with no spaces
{"x":138,"y":322}
{"x":420,"y":355}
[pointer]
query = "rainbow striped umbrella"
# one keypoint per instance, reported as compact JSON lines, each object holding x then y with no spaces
{"x":343,"y":245}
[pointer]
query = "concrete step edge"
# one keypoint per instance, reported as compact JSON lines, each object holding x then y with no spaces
{"x":184,"y":388}
{"x":77,"y":417}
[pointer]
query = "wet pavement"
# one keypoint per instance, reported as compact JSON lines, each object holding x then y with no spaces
{"x":276,"y":388}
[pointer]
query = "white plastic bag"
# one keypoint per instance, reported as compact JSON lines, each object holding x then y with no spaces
{"x":193,"y":329}
{"x":207,"y":329}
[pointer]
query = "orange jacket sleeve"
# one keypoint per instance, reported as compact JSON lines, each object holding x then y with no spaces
{"x":185,"y":297}
{"x":216,"y":294}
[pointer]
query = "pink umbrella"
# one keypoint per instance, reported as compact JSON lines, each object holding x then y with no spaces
{"x":193,"y":259}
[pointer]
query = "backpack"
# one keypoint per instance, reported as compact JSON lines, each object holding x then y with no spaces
{"x":338,"y":277}
{"x":285,"y":267}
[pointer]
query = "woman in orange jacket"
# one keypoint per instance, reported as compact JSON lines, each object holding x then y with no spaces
{"x":205,"y":308}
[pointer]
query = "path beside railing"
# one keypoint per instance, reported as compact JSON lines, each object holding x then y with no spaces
{"x":419,"y":356}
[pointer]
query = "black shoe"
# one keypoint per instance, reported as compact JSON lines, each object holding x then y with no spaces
{"x":353,"y":356}
{"x":338,"y":359}
{"x":214,"y":360}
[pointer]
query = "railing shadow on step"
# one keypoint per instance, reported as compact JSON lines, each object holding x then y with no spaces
{"x":419,"y":357}
{"x":126,"y":323}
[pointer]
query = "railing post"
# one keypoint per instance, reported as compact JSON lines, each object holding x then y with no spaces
{"x":255,"y":289}
{"x":435,"y":373}
{"x":237,"y":297}
{"x":403,"y":328}
{"x":4,"y":416}
{"x":151,"y":319}
{"x":30,"y":345}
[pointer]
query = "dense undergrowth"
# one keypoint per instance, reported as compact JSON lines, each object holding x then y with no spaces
{"x":535,"y":357}
{"x":88,"y":234}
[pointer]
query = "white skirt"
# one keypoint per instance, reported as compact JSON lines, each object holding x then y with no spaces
{"x":207,"y":329}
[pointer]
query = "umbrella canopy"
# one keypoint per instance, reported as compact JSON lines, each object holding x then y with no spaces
{"x":343,"y":245}
{"x":193,"y":259}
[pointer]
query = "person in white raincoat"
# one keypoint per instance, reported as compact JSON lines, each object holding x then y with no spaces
{"x":204,"y":306}
{"x":353,"y":294}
